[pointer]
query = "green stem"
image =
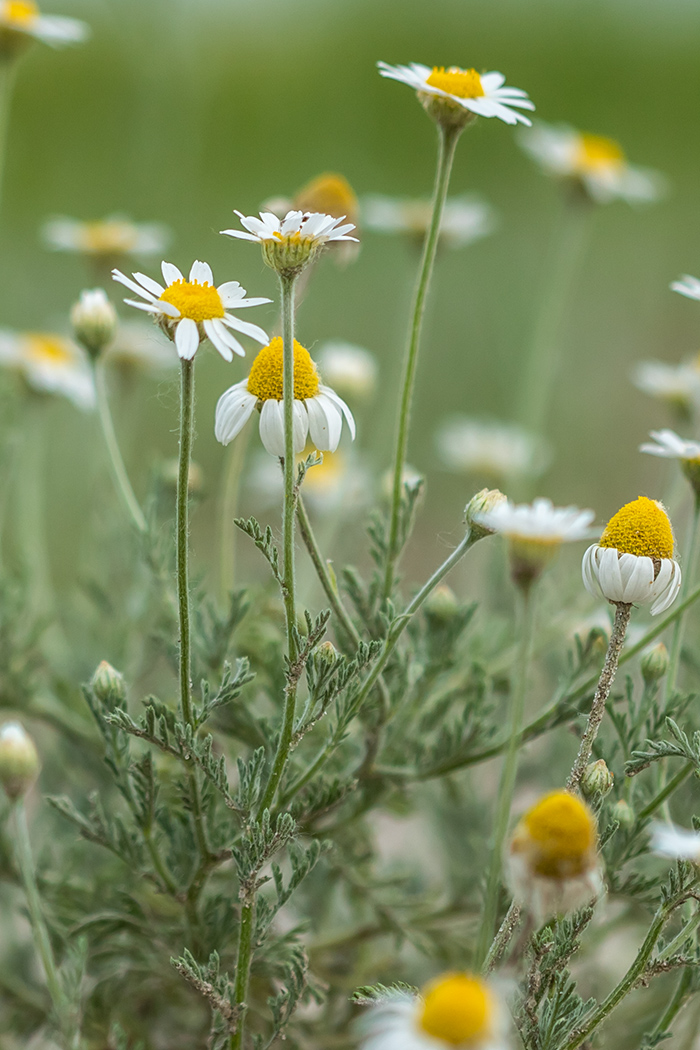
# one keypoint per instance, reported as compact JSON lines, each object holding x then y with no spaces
{"x":623,"y":612}
{"x":121,"y":478}
{"x":677,"y":1001}
{"x":229,"y":502}
{"x":447,"y":142}
{"x":288,"y":513}
{"x":502,"y":938}
{"x":666,"y":791}
{"x":245,"y":953}
{"x":544,"y":356}
{"x":688,"y":574}
{"x":331,"y":591}
{"x":506,"y":786}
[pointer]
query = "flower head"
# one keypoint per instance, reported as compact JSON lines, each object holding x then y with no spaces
{"x":455,"y":97}
{"x":633,"y":562}
{"x":597,"y":164}
{"x":19,"y":760}
{"x":499,"y":451}
{"x":193,"y":309}
{"x":329,"y":194}
{"x":671,"y":841}
{"x":109,"y":239}
{"x":21,"y":22}
{"x":456,"y":1010}
{"x":348,"y":368}
{"x":464,"y":220}
{"x":318,"y":411}
{"x":290,"y":243}
{"x":49,"y":364}
{"x":94,"y":320}
{"x":677,"y":385}
{"x":670,"y":446}
{"x":553,"y":856}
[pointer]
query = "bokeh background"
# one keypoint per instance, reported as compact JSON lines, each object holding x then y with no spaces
{"x":180,"y":111}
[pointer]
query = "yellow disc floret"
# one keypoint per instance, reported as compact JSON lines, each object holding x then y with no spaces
{"x":21,"y":12}
{"x":199,"y":302}
{"x":48,"y":349}
{"x":265,"y":377}
{"x":642,"y":528}
{"x":595,"y":151}
{"x":458,"y":1009}
{"x":462,"y":83}
{"x":328,"y":193}
{"x":559,"y":836}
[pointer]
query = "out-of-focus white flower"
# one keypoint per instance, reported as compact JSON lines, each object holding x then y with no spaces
{"x":678,"y":385}
{"x":476,"y":94}
{"x":670,"y":446}
{"x":139,"y":346}
{"x":339,"y":481}
{"x":21,"y":20}
{"x":328,"y":194}
{"x":318,"y":411}
{"x":49,"y":364}
{"x":347,"y":368}
{"x":672,"y":841}
{"x":501,"y":451}
{"x":107,"y":238}
{"x":465,"y":219}
{"x":457,"y":1011}
{"x":633,"y":562}
{"x":687,"y":286}
{"x":193,"y":309}
{"x":598,"y":163}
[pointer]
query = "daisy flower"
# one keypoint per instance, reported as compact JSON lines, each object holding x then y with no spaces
{"x":455,"y":1010}
{"x":21,"y":20}
{"x":670,"y":446}
{"x":461,"y":94}
{"x":633,"y":561}
{"x":318,"y":411}
{"x":105,"y":238}
{"x":465,"y":219}
{"x":289,"y":243}
{"x":338,"y":481}
{"x":687,"y":286}
{"x":552,"y":863}
{"x":499,"y":450}
{"x":678,"y":385}
{"x":139,"y":347}
{"x":672,"y":841}
{"x":348,"y":368}
{"x":50,"y":364}
{"x":193,"y":309}
{"x":597,"y":163}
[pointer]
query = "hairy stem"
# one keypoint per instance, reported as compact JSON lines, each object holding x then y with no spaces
{"x":245,"y":953}
{"x":121,"y":478}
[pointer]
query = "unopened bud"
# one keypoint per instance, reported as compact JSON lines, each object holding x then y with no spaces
{"x":94,"y":321}
{"x":441,"y":605}
{"x":597,"y":781}
{"x":655,"y":663}
{"x":483,"y":502}
{"x":19,"y":760}
{"x":108,"y":685}
{"x":327,"y":652}
{"x":622,"y":812}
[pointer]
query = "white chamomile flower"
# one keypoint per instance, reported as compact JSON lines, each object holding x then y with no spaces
{"x":348,"y":368}
{"x":597,"y":163}
{"x":49,"y":364}
{"x":552,"y":862}
{"x":107,"y":238}
{"x":140,"y":347}
{"x":289,"y":243}
{"x":21,"y":20}
{"x":677,"y":385}
{"x":672,"y":841}
{"x":193,"y":309}
{"x":338,"y":481}
{"x":456,"y":96}
{"x":318,"y":411}
{"x":501,"y":451}
{"x":457,"y":1011}
{"x":464,"y":220}
{"x":670,"y":446}
{"x":633,"y":561}
{"x":688,"y":286}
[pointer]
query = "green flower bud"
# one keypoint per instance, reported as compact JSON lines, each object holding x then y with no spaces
{"x":623,"y":814}
{"x":442,"y":605}
{"x":482,"y":503}
{"x":655,"y":663}
{"x":94,"y":321}
{"x":327,"y":652}
{"x":108,"y":685}
{"x":19,"y":760}
{"x":597,"y":781}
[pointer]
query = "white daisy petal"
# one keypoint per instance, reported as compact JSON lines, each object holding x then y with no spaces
{"x":186,"y":338}
{"x":171,"y":274}
{"x":201,"y":273}
{"x":233,"y":410}
{"x":149,"y":284}
{"x":253,"y":330}
{"x":213,"y":334}
{"x":272,"y":427}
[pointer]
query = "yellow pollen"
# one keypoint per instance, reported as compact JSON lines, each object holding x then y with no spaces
{"x":291,"y":238}
{"x":463,"y":83}
{"x":457,"y":1008}
{"x":199,"y":302}
{"x":328,"y":193}
{"x":23,"y":12}
{"x":265,"y":377}
{"x":642,"y":528}
{"x":559,"y":833}
{"x":595,"y":151}
{"x":107,"y":238}
{"x":48,"y":349}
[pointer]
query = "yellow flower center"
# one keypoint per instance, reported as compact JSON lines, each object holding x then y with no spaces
{"x":457,"y":1008}
{"x":329,"y":193}
{"x":22,"y":12}
{"x":199,"y":302}
{"x":463,"y":83}
{"x":265,"y":377}
{"x":595,"y":151}
{"x":105,"y":238}
{"x":48,"y":349}
{"x":560,"y":833}
{"x":642,"y":528}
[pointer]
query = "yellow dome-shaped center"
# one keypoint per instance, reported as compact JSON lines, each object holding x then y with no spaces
{"x":462,"y":83}
{"x":265,"y":377}
{"x":595,"y":151}
{"x":21,"y":12}
{"x":329,"y":193}
{"x":105,"y":238}
{"x":457,"y":1008}
{"x":642,"y":528}
{"x":560,"y":833}
{"x":48,"y":349}
{"x":199,"y":302}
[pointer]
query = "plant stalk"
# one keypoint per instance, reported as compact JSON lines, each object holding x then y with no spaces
{"x":121,"y":478}
{"x":245,"y":953}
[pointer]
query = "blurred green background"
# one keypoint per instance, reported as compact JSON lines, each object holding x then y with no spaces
{"x":181,"y":111}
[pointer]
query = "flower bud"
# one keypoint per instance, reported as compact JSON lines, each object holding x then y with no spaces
{"x":482,"y":503}
{"x":622,"y":812}
{"x":326,"y":652}
{"x":655,"y":664}
{"x":19,"y":760}
{"x":597,"y":781}
{"x":108,"y":685}
{"x":94,"y":321}
{"x":441,"y":605}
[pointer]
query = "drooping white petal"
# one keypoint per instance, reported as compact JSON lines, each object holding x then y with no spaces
{"x":186,"y":338}
{"x":233,"y":410}
{"x":223,"y":348}
{"x":272,"y":427}
{"x":325,"y":422}
{"x":349,"y":418}
{"x":246,"y":328}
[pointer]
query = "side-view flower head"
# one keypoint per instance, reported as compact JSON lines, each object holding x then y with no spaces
{"x":49,"y":364}
{"x":633,"y":561}
{"x":500,"y":451}
{"x":474,"y":94}
{"x":20,"y":20}
{"x":672,"y":841}
{"x":318,"y":411}
{"x":289,"y":243}
{"x":108,"y":238}
{"x":677,"y":385}
{"x":465,"y":219}
{"x":193,"y":309}
{"x":668,"y":445}
{"x":597,"y":163}
{"x":351,"y":369}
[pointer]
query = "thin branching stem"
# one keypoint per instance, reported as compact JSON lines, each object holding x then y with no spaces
{"x":121,"y":477}
{"x":688,"y":576}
